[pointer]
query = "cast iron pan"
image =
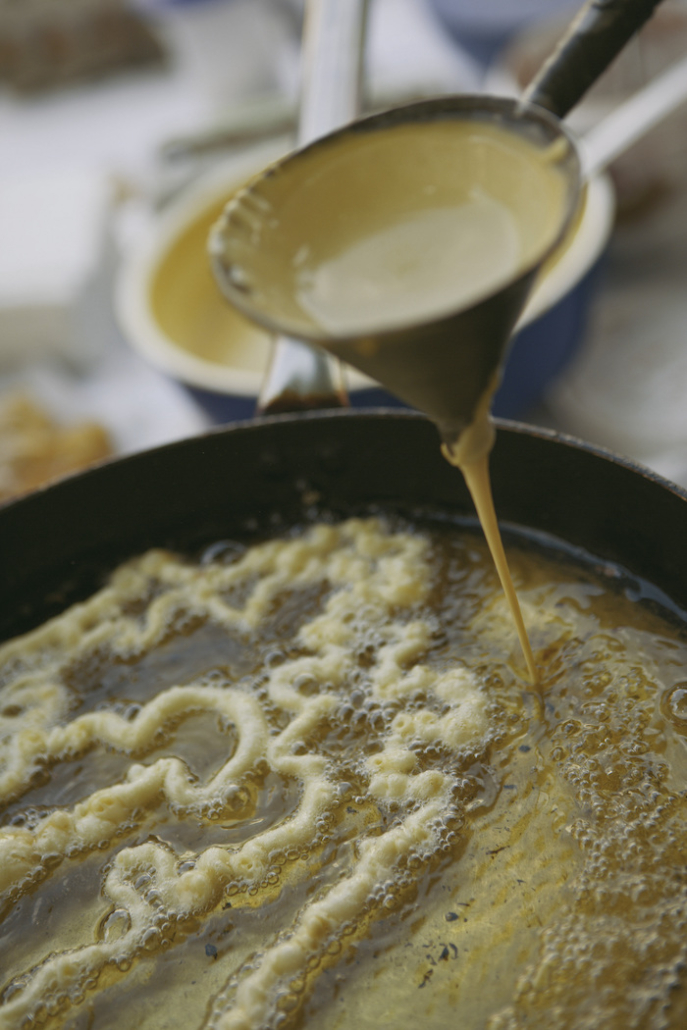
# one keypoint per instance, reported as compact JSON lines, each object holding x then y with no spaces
{"x":58,"y":544}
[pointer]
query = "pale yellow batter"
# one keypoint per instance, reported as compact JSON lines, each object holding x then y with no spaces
{"x":394,"y":227}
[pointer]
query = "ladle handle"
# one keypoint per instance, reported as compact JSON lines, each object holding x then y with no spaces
{"x":632,"y":119}
{"x":299,"y":376}
{"x":595,"y":36}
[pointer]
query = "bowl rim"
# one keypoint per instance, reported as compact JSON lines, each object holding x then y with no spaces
{"x":144,"y":334}
{"x":580,"y":255}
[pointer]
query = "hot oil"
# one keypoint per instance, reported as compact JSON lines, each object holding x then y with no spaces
{"x":534,"y":853}
{"x":569,"y":883}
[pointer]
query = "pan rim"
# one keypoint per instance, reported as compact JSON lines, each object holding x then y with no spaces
{"x":373,"y":413}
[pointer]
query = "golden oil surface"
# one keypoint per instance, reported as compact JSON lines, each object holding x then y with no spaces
{"x":305,"y":784}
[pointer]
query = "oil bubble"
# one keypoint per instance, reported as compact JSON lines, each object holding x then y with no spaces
{"x":674,"y":705}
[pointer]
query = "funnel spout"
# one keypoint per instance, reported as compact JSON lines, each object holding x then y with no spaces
{"x":443,"y":368}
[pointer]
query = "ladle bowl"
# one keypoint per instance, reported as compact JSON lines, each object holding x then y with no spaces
{"x":309,"y":207}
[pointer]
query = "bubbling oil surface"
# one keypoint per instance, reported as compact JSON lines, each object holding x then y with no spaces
{"x":301,"y":784}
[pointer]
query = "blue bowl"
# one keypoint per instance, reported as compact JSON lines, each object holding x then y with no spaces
{"x":540,"y":351}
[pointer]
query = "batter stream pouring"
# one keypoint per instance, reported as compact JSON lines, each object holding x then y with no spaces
{"x":407,"y":243}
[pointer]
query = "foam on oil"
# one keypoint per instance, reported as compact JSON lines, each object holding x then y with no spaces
{"x":352,"y":814}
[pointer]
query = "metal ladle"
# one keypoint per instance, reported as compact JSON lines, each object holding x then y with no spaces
{"x":444,"y":366}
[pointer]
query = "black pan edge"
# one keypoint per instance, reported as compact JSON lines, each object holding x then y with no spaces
{"x":58,"y":544}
